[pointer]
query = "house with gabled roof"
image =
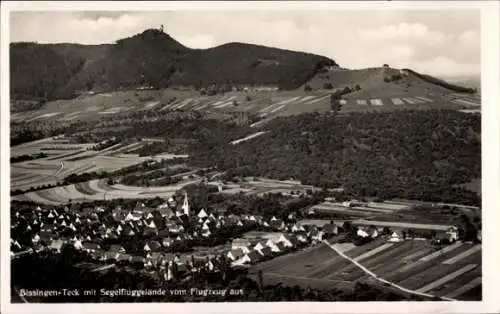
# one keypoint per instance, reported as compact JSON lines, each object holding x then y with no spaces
{"x":273,"y":246}
{"x":266,"y":252}
{"x":286,"y":240}
{"x":175,"y":228}
{"x":396,"y":236}
{"x":259,"y":246}
{"x":15,"y":246}
{"x":235,"y":254}
{"x":297,"y":228}
{"x":250,"y":258}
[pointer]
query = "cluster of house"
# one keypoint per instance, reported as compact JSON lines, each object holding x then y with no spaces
{"x":104,"y":234}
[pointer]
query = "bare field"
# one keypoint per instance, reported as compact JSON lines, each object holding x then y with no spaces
{"x":411,"y":264}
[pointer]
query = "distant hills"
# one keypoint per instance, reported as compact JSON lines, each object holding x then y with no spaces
{"x":154,"y":59}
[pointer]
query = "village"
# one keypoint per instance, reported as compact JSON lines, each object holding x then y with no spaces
{"x":173,"y":241}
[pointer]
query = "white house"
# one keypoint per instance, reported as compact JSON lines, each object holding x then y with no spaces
{"x":36,"y":238}
{"x":452,"y":233}
{"x":202,"y":214}
{"x":285,"y":240}
{"x":270,"y":243}
{"x":362,"y":233}
{"x":78,"y":244}
{"x":259,"y":246}
{"x":209,"y":265}
{"x":129,"y":217}
{"x":396,"y":236}
{"x":300,"y":228}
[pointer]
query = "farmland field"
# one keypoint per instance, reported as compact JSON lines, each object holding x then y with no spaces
{"x":72,"y":159}
{"x":453,"y":271}
{"x":266,"y":104}
{"x":261,"y":186}
{"x":98,"y":190}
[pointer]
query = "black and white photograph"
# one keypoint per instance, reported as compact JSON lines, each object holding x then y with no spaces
{"x":232,"y":154}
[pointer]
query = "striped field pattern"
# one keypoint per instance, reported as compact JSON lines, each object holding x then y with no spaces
{"x":412,"y":264}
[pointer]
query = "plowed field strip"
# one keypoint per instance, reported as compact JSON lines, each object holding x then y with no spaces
{"x":432,"y":273}
{"x":353,"y":272}
{"x":458,"y":282}
{"x":384,"y":268}
{"x":469,"y":286}
{"x":381,"y":279}
{"x":447,"y":278}
{"x":462,"y":255}
{"x":373,"y":252}
{"x":420,"y":266}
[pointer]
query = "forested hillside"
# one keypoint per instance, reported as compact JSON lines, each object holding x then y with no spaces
{"x":154,"y":59}
{"x":411,"y":154}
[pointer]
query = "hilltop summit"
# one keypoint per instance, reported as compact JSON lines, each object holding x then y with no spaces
{"x":155,"y":59}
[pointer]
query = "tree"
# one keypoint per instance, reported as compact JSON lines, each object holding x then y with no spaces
{"x":307,"y":88}
{"x":327,"y":85}
{"x":261,"y":281}
{"x":335,"y":104}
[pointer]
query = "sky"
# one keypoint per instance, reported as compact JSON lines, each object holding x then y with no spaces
{"x":443,"y":42}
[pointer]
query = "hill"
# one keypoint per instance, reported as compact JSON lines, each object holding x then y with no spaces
{"x":384,"y":82}
{"x":153,"y":59}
